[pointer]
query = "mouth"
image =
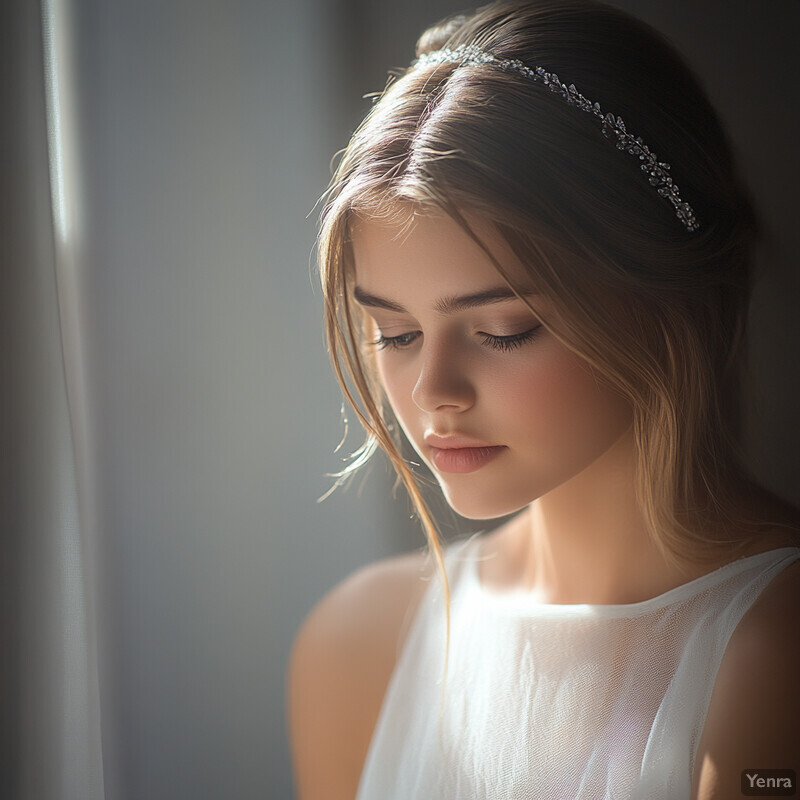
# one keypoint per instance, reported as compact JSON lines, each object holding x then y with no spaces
{"x":463,"y":459}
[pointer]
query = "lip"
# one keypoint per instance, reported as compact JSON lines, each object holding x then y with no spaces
{"x":460,"y":454}
{"x":463,"y":459}
{"x":454,"y":442}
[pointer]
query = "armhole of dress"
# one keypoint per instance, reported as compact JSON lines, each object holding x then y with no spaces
{"x":414,"y":625}
{"x":761,"y":582}
{"x":459,"y":556}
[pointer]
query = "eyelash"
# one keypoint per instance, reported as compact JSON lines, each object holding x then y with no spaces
{"x":502,"y":343}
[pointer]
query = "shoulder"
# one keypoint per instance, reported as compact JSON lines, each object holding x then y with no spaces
{"x":340,"y":665}
{"x":753,"y":720}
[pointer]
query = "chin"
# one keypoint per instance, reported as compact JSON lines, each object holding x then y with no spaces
{"x":472,"y":505}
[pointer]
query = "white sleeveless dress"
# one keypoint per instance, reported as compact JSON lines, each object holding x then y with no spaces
{"x":555,"y":702}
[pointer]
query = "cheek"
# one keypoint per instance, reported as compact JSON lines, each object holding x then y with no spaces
{"x":559,"y":398}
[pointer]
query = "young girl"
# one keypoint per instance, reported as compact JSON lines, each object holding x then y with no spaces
{"x":536,"y":257}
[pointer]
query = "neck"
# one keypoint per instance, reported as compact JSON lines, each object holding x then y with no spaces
{"x":587,"y":540}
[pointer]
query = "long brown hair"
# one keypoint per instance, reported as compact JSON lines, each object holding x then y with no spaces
{"x":660,"y":312}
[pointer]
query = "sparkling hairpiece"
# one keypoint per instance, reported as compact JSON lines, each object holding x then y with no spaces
{"x":657,"y":171}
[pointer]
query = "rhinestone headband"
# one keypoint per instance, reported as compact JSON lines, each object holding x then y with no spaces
{"x":657,"y":171}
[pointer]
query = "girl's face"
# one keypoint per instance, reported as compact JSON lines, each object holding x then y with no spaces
{"x":499,"y":410}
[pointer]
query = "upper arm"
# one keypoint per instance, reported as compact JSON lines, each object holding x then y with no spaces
{"x":340,"y":665}
{"x":753,"y":721}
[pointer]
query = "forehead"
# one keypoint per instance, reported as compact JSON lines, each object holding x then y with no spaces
{"x":431,"y":249}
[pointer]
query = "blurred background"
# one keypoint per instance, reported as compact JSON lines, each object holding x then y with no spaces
{"x":167,"y":413}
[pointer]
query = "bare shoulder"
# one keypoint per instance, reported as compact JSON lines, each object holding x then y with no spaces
{"x":341,"y":662}
{"x":753,"y":721}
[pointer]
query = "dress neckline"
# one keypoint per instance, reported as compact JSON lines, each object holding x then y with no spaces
{"x":524,"y":602}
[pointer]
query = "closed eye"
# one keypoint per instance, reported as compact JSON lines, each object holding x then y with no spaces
{"x":502,"y":343}
{"x":506,"y":343}
{"x":395,"y":342}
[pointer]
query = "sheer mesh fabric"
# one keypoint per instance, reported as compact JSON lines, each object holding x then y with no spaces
{"x":553,"y":702}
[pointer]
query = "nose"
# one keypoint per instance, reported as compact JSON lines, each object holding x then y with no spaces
{"x":443,"y":380}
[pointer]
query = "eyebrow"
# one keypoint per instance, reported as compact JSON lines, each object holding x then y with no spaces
{"x":445,"y":305}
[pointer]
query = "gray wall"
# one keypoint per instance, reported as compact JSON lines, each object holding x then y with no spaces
{"x":206,"y":134}
{"x":206,"y":131}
